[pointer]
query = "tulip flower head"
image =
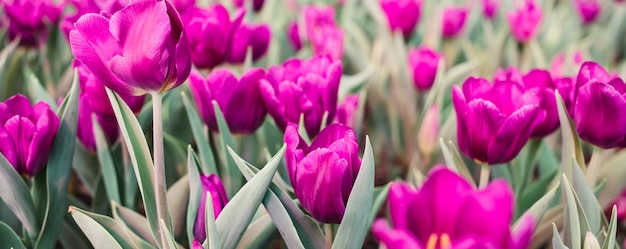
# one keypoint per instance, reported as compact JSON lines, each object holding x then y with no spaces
{"x":302,"y":87}
{"x":129,"y":60}
{"x":239,"y":99}
{"x":213,"y":185}
{"x":29,"y":19}
{"x":490,"y":8}
{"x":402,"y":15}
{"x":430,"y":216}
{"x":323,"y":173}
{"x":453,"y":21}
{"x":26,"y":133}
{"x":247,"y":36}
{"x":346,"y":111}
{"x":588,"y":10}
{"x":423,"y":62}
{"x":524,"y":22}
{"x":293,"y":35}
{"x":321,"y":30}
{"x":494,"y":121}
{"x":600,"y":107}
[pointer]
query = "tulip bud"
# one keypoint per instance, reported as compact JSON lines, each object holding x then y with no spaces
{"x":428,"y":134}
{"x":524,"y":21}
{"x":248,"y":35}
{"x":490,"y":7}
{"x":26,"y":133}
{"x":347,"y":110}
{"x":29,"y":19}
{"x":600,"y":107}
{"x":293,"y":34}
{"x":402,"y":15}
{"x":453,"y":21}
{"x":588,"y":10}
{"x":591,"y":242}
{"x":424,"y":62}
{"x":197,"y":245}
{"x":139,"y":49}
{"x":494,"y":121}
{"x":322,"y":174}
{"x":213,"y":185}
{"x":239,"y":99}
{"x":308,"y":87}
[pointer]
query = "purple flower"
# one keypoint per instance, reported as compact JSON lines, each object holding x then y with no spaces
{"x":249,"y":35}
{"x":257,"y":5}
{"x":90,"y":6}
{"x":346,"y":111}
{"x":588,"y":10}
{"x":424,"y":62}
{"x":213,"y":185}
{"x":293,"y":35}
{"x":308,"y":87}
{"x":84,"y":129}
{"x":323,"y":173}
{"x":453,"y":21}
{"x":327,"y":40}
{"x":430,"y":216}
{"x":26,"y":133}
{"x":494,"y":121}
{"x":490,"y":7}
{"x":524,"y":21}
{"x":239,"y":99}
{"x":402,"y":15}
{"x":130,"y":56}
{"x":600,"y":107}
{"x":29,"y":19}
{"x":316,"y":17}
{"x":211,"y":33}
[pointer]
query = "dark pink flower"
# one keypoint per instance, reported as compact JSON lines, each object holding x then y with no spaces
{"x":346,"y":111}
{"x":490,"y":7}
{"x":254,"y":36}
{"x":29,"y":19}
{"x":211,"y":184}
{"x":453,"y":20}
{"x":402,"y":15}
{"x":588,"y":10}
{"x":524,"y":22}
{"x":424,"y":62}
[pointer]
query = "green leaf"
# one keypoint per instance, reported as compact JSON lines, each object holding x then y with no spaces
{"x":106,"y":162}
{"x":9,"y":238}
{"x":139,"y":155}
{"x":206,"y":154}
{"x":573,"y":221}
{"x":16,"y":196}
{"x":194,"y":194}
{"x":133,"y":221}
{"x":239,"y":211}
{"x":589,"y":203}
{"x":258,"y":234}
{"x":97,"y":234}
{"x":380,"y":196}
{"x":177,"y":198}
{"x":537,"y":210}
{"x":232,"y":179}
{"x":557,"y":242}
{"x":571,"y":143}
{"x":609,"y":242}
{"x":36,"y":90}
{"x":353,"y":227}
{"x":171,"y":243}
{"x":454,"y":160}
{"x":211,"y":228}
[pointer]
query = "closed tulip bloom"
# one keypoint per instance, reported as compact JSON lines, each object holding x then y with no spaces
{"x":213,"y":185}
{"x":139,"y":49}
{"x":453,"y":20}
{"x":524,"y":22}
{"x":26,"y":133}
{"x":29,"y":19}
{"x":256,"y":37}
{"x":402,"y":15}
{"x":239,"y":99}
{"x":600,"y":107}
{"x":308,"y":87}
{"x":257,"y":5}
{"x":346,"y":111}
{"x":323,"y":173}
{"x":211,"y":33}
{"x":490,"y":8}
{"x":494,"y":121}
{"x":293,"y":35}
{"x":447,"y":212}
{"x":588,"y":10}
{"x":316,"y":17}
{"x":423,"y":62}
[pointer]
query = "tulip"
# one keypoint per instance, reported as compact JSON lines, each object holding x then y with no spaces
{"x":256,"y":37}
{"x":90,"y":6}
{"x":257,"y":5}
{"x":588,"y":10}
{"x":327,"y":40}
{"x":29,"y":19}
{"x":307,"y":87}
{"x":600,"y":107}
{"x":490,"y":7}
{"x":197,"y":245}
{"x":447,"y":212}
{"x":424,"y":62}
{"x":293,"y":35}
{"x":26,"y":133}
{"x":183,"y":5}
{"x":494,"y":121}
{"x":239,"y":99}
{"x":316,"y":17}
{"x":620,"y":203}
{"x":139,"y":49}
{"x":402,"y":15}
{"x":346,"y":111}
{"x":84,"y":129}
{"x":323,"y":173}
{"x":453,"y":21}
{"x":524,"y":21}
{"x":213,"y":185}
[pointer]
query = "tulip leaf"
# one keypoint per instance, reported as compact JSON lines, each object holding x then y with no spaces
{"x":276,"y":210}
{"x":211,"y":230}
{"x":9,"y":238}
{"x":140,"y":156}
{"x":380,"y":196}
{"x":207,"y":161}
{"x":588,"y":201}
{"x":36,"y":90}
{"x":614,"y":173}
{"x":16,"y":196}
{"x":177,"y":199}
{"x":109,"y":174}
{"x":353,"y":227}
{"x":137,"y":223}
{"x":96,"y":233}
{"x":258,"y":234}
{"x":239,"y":211}
{"x":5,"y":55}
{"x":575,"y":219}
{"x":571,"y":143}
{"x":454,"y":161}
{"x":609,"y":241}
{"x":171,"y":243}
{"x":194,"y":194}
{"x":537,"y":210}
{"x":557,"y":242}
{"x":233,"y":179}
{"x":58,"y":170}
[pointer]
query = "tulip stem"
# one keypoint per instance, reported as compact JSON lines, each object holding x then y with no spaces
{"x":328,"y":231}
{"x":159,"y":166}
{"x":484,"y":176}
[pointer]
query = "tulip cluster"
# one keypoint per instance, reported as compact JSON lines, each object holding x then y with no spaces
{"x":29,"y":20}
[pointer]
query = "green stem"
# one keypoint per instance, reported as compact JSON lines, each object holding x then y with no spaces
{"x":485,"y":171}
{"x":328,"y":231}
{"x":159,"y":166}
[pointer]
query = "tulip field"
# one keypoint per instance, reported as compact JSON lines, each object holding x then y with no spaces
{"x":317,"y":124}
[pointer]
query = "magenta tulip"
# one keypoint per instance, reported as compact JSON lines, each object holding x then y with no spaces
{"x":588,"y":10}
{"x":213,"y":185}
{"x":453,"y":21}
{"x":525,"y":21}
{"x":29,"y":19}
{"x":490,"y":7}
{"x":402,"y":15}
{"x":26,"y":133}
{"x":423,"y":62}
{"x":323,"y":173}
{"x":257,"y":5}
{"x":247,"y":36}
{"x":293,"y":35}
{"x":346,"y":111}
{"x":447,"y":212}
{"x":84,"y":128}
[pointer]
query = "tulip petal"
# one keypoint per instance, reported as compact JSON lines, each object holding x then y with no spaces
{"x":244,"y":111}
{"x":296,"y":147}
{"x":16,"y":105}
{"x":7,"y":148}
{"x":521,"y":238}
{"x":41,"y":140}
{"x":591,"y":70}
{"x":600,"y":115}
{"x":513,"y":133}
{"x":398,"y":198}
{"x":460,"y":107}
{"x":485,"y":118}
{"x":393,"y":238}
{"x":21,"y":130}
